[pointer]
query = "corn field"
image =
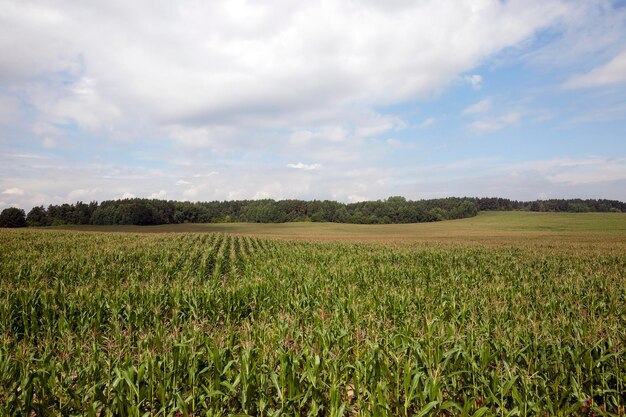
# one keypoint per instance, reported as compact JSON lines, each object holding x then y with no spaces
{"x":111,"y":324}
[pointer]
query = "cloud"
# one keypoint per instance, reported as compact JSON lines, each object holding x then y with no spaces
{"x":479,"y":107}
{"x":13,"y":191}
{"x":427,"y":122}
{"x":511,"y":118}
{"x":376,"y":124}
{"x":305,"y":167}
{"x":49,"y":142}
{"x":84,"y":193}
{"x":160,"y":195}
{"x":591,"y":33}
{"x":565,"y":177}
{"x":331,"y":133}
{"x":208,"y":174}
{"x":575,"y":172}
{"x":491,"y":125}
{"x":355,"y":198}
{"x":82,"y":104}
{"x":214,"y":137}
{"x":204,"y":68}
{"x":49,"y":134}
{"x":484,"y":126}
{"x":474,"y":80}
{"x":159,"y":97}
{"x":191,"y":192}
{"x":9,"y":109}
{"x":600,"y":113}
{"x":613,"y":72}
{"x":127,"y":195}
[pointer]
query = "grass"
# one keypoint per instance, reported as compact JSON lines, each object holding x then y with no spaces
{"x":485,"y":222}
{"x":490,"y":316}
{"x":578,"y":231}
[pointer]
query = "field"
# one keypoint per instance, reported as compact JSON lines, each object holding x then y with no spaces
{"x":602,"y":230}
{"x":505,"y":314}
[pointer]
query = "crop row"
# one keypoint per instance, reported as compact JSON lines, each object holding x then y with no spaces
{"x":212,"y":324}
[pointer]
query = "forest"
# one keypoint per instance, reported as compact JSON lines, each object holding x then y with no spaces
{"x":138,"y":211}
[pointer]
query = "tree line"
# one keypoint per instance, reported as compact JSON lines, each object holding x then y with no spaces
{"x":138,"y":211}
{"x":573,"y":205}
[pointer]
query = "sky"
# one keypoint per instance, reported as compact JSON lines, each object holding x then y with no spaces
{"x":344,"y":100}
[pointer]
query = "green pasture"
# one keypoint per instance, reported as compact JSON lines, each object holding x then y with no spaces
{"x":485,"y":222}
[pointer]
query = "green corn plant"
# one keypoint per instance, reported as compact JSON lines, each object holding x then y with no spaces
{"x":111,"y":324}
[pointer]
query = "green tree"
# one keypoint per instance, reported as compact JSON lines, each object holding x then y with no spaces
{"x":465,"y":209}
{"x":37,"y":216}
{"x":12,"y":217}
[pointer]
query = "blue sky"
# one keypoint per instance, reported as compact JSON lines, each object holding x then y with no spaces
{"x":347,"y":101}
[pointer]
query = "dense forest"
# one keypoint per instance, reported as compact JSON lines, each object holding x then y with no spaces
{"x":139,"y":211}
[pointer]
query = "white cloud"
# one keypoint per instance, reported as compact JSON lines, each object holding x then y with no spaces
{"x":484,"y":126}
{"x":305,"y":167}
{"x":590,"y":177}
{"x":301,"y":136}
{"x":49,"y":142}
{"x":601,"y":113}
{"x":82,"y":104}
{"x":84,"y":193}
{"x":160,"y":195}
{"x":208,"y":174}
{"x":243,"y":89}
{"x":262,"y":195}
{"x":199,"y":68}
{"x":478,"y":107}
{"x":613,"y":72}
{"x":13,"y":191}
{"x":331,"y":133}
{"x":215,"y":137}
{"x":399,"y":144}
{"x":577,"y":171}
{"x":376,"y":124}
{"x":494,"y":124}
{"x":191,"y":192}
{"x":427,"y":122}
{"x":355,"y":198}
{"x":474,"y":80}
{"x":590,"y":33}
{"x":49,"y":134}
{"x":9,"y":109}
{"x":511,"y":118}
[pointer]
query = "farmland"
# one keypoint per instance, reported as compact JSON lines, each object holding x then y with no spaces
{"x":509,"y":228}
{"x":503,"y":314}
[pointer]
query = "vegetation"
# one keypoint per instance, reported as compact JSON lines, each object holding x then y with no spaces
{"x":575,"y":205}
{"x":116,"y":324}
{"x":598,"y":231}
{"x":394,"y":210}
{"x":12,"y":217}
{"x":150,"y":212}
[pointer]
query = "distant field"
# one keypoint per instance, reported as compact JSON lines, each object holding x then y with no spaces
{"x":513,"y":228}
{"x":505,"y":314}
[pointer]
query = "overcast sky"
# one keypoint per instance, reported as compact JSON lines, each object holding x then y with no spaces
{"x":343,"y":100}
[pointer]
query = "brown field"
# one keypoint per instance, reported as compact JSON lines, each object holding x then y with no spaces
{"x":577,"y":231}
